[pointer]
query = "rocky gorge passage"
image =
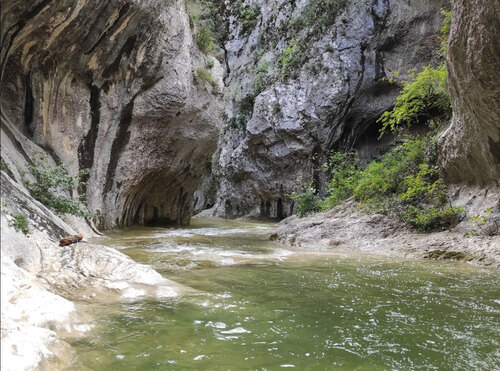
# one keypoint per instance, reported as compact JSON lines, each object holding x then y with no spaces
{"x":124,"y":91}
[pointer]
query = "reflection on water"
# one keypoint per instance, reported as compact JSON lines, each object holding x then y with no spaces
{"x":261,"y":306}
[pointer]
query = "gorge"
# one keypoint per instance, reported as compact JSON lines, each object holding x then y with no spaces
{"x":166,"y":109}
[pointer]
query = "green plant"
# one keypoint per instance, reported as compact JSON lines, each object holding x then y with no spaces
{"x":289,"y":60}
{"x":51,"y":183}
{"x":276,"y":108}
{"x":343,"y":172}
{"x":433,"y":218}
{"x":3,"y":165}
{"x":204,"y":75}
{"x":20,"y":223}
{"x":248,"y":16}
{"x":445,"y":31}
{"x":209,"y":64}
{"x":204,"y":39}
{"x":485,"y":223}
{"x":307,"y":201}
{"x":424,"y":98}
{"x":329,"y":48}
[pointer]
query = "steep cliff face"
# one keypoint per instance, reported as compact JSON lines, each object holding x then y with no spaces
{"x":470,"y":147}
{"x":308,"y":79}
{"x":109,"y":87}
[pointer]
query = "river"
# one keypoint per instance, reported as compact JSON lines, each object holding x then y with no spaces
{"x":259,"y":305}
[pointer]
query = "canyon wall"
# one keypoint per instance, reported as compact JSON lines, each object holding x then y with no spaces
{"x":470,"y":146}
{"x":110,"y":87}
{"x":306,"y":80}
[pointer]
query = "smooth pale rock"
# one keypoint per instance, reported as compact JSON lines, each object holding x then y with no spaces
{"x":38,"y":276}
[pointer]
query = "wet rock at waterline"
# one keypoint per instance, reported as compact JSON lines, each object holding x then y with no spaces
{"x":39,"y":276}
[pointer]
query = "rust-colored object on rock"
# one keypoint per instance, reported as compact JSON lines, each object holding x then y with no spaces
{"x":70,"y":239}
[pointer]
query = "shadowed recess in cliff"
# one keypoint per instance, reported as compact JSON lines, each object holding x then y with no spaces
{"x":159,"y":198}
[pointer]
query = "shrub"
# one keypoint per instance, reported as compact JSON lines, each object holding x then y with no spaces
{"x":289,"y":60}
{"x":403,"y":182}
{"x":307,"y":201}
{"x":433,"y":218}
{"x":204,"y":39}
{"x":424,"y":98}
{"x":52,"y":181}
{"x":249,"y":16}
{"x":204,"y":75}
{"x":343,"y":172}
{"x":20,"y":223}
{"x":209,"y":64}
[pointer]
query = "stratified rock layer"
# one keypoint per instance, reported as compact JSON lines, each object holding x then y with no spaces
{"x":109,"y":87}
{"x":470,"y":147}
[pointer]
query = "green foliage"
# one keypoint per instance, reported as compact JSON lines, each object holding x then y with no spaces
{"x":209,"y":64}
{"x":307,"y":201}
{"x":261,"y":78}
{"x":432,"y":218}
{"x":204,"y":39}
{"x":204,"y":75}
{"x":383,"y":179}
{"x":445,"y":31}
{"x":485,"y":223}
{"x":248,"y":15}
{"x":316,"y":16}
{"x":3,"y":165}
{"x":329,"y":48}
{"x":344,"y":176}
{"x":289,"y":60}
{"x":424,"y":98}
{"x":20,"y":223}
{"x":51,"y":183}
{"x":404,"y":181}
{"x":276,"y":108}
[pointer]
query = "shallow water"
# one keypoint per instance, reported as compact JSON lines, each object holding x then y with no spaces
{"x":260,"y":306}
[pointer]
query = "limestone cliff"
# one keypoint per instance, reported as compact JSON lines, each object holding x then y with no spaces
{"x":470,"y":147}
{"x":307,"y":80}
{"x":109,"y":87}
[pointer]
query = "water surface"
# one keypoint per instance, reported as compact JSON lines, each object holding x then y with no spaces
{"x":261,"y":306}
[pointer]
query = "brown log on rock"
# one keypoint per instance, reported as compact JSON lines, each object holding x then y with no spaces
{"x":70,"y":239}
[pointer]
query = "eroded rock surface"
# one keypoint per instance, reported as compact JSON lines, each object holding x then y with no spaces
{"x":283,"y":122}
{"x":109,"y":87}
{"x":470,"y":147}
{"x":39,"y":278}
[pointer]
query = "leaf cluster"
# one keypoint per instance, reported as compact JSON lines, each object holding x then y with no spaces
{"x":424,"y":98}
{"x":52,"y":184}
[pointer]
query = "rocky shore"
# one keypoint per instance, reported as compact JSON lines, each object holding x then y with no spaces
{"x":349,"y":228}
{"x":41,"y":281}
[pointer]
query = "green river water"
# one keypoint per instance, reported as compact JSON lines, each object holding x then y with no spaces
{"x":259,"y":305}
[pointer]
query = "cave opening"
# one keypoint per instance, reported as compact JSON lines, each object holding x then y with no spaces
{"x":157,"y":199}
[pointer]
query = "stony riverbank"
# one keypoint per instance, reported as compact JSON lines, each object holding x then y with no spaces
{"x":349,"y":228}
